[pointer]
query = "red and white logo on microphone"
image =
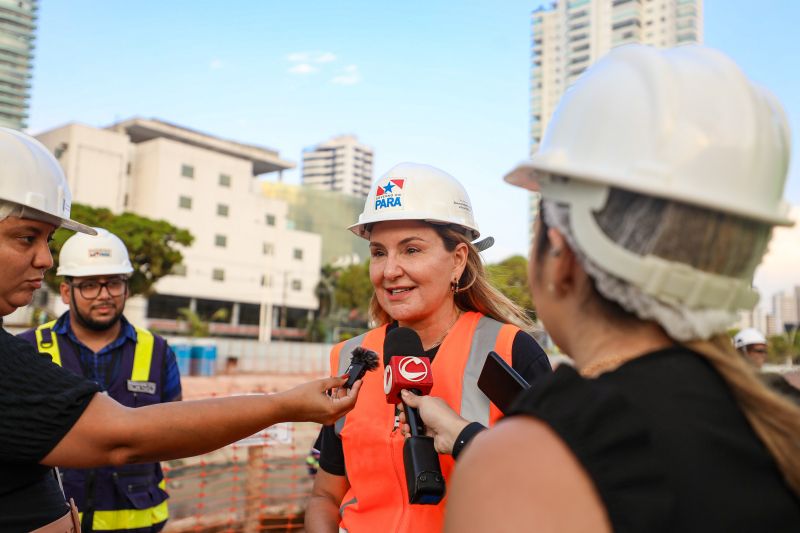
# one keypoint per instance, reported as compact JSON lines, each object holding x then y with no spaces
{"x":406,"y":372}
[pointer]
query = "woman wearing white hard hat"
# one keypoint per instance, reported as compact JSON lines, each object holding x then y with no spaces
{"x":51,"y":416}
{"x":661,"y":175}
{"x":427,"y":276}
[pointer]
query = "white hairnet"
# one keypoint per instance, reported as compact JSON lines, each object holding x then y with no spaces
{"x":649,"y":225}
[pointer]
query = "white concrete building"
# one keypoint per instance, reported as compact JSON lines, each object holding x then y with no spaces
{"x":572,"y":34}
{"x":244,"y":257}
{"x":785,"y":309}
{"x":339,"y":164}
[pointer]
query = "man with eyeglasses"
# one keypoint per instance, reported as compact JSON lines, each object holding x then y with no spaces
{"x":134,"y":366}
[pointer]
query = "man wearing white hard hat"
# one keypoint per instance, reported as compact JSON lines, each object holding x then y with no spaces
{"x":51,"y":416}
{"x":753,"y":344}
{"x":132,"y":365}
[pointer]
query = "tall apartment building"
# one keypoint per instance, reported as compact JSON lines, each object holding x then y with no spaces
{"x":17,"y":26}
{"x":245,"y":257}
{"x":570,"y":35}
{"x":339,"y":164}
{"x":785,"y":309}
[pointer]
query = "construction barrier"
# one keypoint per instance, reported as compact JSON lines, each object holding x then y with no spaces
{"x":261,"y":483}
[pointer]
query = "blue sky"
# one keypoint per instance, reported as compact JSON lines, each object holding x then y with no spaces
{"x":444,"y":83}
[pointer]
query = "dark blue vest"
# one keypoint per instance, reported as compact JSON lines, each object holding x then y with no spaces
{"x":126,"y":498}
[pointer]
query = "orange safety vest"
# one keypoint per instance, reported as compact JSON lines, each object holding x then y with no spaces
{"x":377,"y":499}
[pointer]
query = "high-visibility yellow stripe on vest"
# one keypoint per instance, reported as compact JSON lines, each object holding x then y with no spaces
{"x":142,"y":356}
{"x":130,"y":518}
{"x":49,"y":347}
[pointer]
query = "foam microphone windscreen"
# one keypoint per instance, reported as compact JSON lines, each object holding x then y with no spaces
{"x":402,"y":341}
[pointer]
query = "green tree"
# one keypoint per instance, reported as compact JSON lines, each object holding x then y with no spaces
{"x":510,"y":277}
{"x":197,"y":327}
{"x":783,"y":347}
{"x":353,"y":289}
{"x":153,"y":245}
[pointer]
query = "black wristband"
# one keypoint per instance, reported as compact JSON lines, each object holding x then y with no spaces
{"x":466,"y":435}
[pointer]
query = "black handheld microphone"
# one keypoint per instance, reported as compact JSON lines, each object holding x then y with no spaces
{"x":406,"y":367}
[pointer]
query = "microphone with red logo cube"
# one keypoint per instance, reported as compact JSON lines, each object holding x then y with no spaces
{"x":407,"y":367}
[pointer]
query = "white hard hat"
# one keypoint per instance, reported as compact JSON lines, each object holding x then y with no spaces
{"x":747,"y":337}
{"x":86,"y":255}
{"x":32,"y":180}
{"x":411,"y":191}
{"x":681,"y":124}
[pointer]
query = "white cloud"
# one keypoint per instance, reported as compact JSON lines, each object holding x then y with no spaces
{"x":303,"y":68}
{"x":325,"y":57}
{"x":350,"y":76}
{"x":216,"y":64}
{"x":311,"y":57}
{"x":779,"y":269}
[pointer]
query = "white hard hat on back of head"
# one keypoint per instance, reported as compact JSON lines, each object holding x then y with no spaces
{"x":682,"y":124}
{"x":748,"y":337}
{"x":101,"y":255}
{"x":411,"y":191}
{"x":32,"y":180}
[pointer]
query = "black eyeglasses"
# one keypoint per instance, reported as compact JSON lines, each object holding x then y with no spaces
{"x":91,"y":289}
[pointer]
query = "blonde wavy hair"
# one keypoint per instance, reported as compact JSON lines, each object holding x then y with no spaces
{"x":475,"y":292}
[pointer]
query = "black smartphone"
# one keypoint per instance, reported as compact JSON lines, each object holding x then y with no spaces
{"x":500,"y":383}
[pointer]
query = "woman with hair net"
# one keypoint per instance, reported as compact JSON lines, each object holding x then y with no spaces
{"x":661,"y":176}
{"x":53,"y":417}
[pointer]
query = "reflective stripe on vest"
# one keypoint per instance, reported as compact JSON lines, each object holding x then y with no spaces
{"x":131,"y":518}
{"x":46,"y":342}
{"x":143,"y":355}
{"x":377,"y":499}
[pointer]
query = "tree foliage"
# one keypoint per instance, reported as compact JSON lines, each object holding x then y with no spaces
{"x":781,"y":348}
{"x":510,"y":277}
{"x":353,"y":289}
{"x":153,"y":245}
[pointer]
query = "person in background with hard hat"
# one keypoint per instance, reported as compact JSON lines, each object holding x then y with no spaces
{"x":661,"y":175}
{"x":428,"y":276}
{"x":52,"y":416}
{"x":130,"y":364}
{"x":752,"y":344}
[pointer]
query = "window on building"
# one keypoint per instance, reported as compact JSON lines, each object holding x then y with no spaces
{"x":214,"y":310}
{"x":178,"y":270}
{"x":268,"y":248}
{"x":266,"y":280}
{"x":224,"y":180}
{"x":166,"y":306}
{"x":222,"y":210}
{"x":221,"y":241}
{"x":187,"y":171}
{"x":185,"y":202}
{"x":218,"y":274}
{"x":270,"y":220}
{"x":297,"y":285}
{"x":249,"y":314}
{"x":298,"y":253}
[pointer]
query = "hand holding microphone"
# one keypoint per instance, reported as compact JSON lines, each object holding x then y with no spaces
{"x":406,"y":367}
{"x":441,"y":421}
